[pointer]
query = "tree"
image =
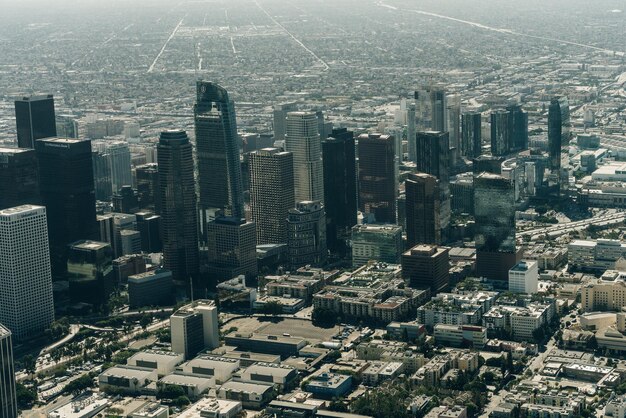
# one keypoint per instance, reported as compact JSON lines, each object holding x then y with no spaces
{"x":25,"y":396}
{"x":273,"y":308}
{"x":324,"y":318}
{"x":78,"y":385}
{"x":170,"y":392}
{"x":29,"y":363}
{"x":145,"y":321}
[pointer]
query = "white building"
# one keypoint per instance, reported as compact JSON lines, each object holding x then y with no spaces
{"x":164,"y":362}
{"x":190,"y":321}
{"x":524,"y":277}
{"x":616,"y":407}
{"x":460,"y":335}
{"x":379,"y":371}
{"x":212,"y":408}
{"x":194,"y":386}
{"x":26,"y":306}
{"x":126,"y":378}
{"x":302,"y":138}
{"x":595,"y":255}
{"x":220,"y":368}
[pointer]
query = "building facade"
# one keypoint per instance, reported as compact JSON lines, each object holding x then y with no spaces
{"x":377,"y":177}
{"x":427,"y":267}
{"x":8,"y":397}
{"x":306,"y":241}
{"x":34,"y":119}
{"x":19,"y":177}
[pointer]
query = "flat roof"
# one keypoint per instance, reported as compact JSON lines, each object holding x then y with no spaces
{"x":19,"y":209}
{"x":128,"y":372}
{"x":246,"y":387}
{"x":7,"y":150}
{"x":187,"y":380}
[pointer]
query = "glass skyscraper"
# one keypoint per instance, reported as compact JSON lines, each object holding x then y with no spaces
{"x":34,"y":119}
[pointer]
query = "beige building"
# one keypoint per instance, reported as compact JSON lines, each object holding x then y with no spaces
{"x":604,"y":295}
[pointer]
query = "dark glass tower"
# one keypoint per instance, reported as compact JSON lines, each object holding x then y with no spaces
{"x":558,"y":129}
{"x":19,"y":177}
{"x":500,"y":133}
{"x":423,"y":210}
{"x":518,"y":127}
{"x":67,"y":191}
{"x":471,"y":131}
{"x":90,"y":271}
{"x":147,"y":180}
{"x":377,"y":177}
{"x":338,"y":155}
{"x":217,"y":147}
{"x":177,"y":196}
{"x":34,"y":119}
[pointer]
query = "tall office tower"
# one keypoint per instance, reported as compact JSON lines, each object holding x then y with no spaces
{"x":378,"y":183}
{"x":376,"y":243}
{"x":19,"y":177}
{"x":26,"y":306}
{"x":102,"y":176}
{"x":427,"y":267}
{"x":147,"y":181}
{"x":231,"y":248}
{"x":177,"y":202}
{"x":500,"y":133}
{"x":280,"y":122}
{"x":423,"y":210}
{"x":518,"y":127}
{"x":306,"y":241}
{"x":149,"y":226}
{"x":303,"y":140}
{"x":217,"y":149}
{"x":8,"y":395}
{"x":423,"y":109}
{"x":126,"y":200}
{"x":558,"y":129}
{"x":494,"y":211}
{"x":118,"y":155}
{"x":195,"y":328}
{"x":34,"y":119}
{"x":67,"y":191}
{"x":111,"y":227}
{"x":66,"y":126}
{"x":90,"y":272}
{"x":439,"y":105}
{"x":339,"y":159}
{"x":453,"y":112}
{"x":433,"y":157}
{"x":271,"y":193}
{"x":406,"y":117}
{"x":471,"y":131}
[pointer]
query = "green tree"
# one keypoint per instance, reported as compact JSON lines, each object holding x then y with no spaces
{"x":145,"y":321}
{"x":78,"y":385}
{"x":170,"y":392}
{"x":273,"y":308}
{"x":25,"y":396}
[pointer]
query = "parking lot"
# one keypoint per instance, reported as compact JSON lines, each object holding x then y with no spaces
{"x":293,"y":327}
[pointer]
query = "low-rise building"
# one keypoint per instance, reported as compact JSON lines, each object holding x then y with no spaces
{"x":128,"y":379}
{"x":379,"y":371}
{"x":271,"y":344}
{"x":251,"y":395}
{"x":282,"y":376}
{"x":406,"y":331}
{"x":460,"y":308}
{"x":194,"y":386}
{"x":151,"y":410}
{"x":329,"y":385}
{"x":289,"y":304}
{"x":164,"y":362}
{"x":212,"y":408}
{"x":220,"y":368}
{"x":84,"y":406}
{"x":606,"y":294}
{"x":460,"y":335}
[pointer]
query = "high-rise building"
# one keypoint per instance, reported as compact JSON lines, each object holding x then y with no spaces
{"x":427,"y":267}
{"x":231,"y":248}
{"x":19,"y":177}
{"x":34,"y":119}
{"x":111,"y":227}
{"x":194,"y":328}
{"x":376,"y":243}
{"x":377,"y":177}
{"x":423,"y":210}
{"x":67,"y":191}
{"x":177,"y":201}
{"x":102,"y":176}
{"x":149,"y":226}
{"x":339,"y":188}
{"x":147,"y":181}
{"x":217,"y":148}
{"x":518,"y":127}
{"x":494,"y":211}
{"x":118,"y":155}
{"x":271,"y":193}
{"x":152,"y":288}
{"x":500,"y":133}
{"x":8,"y":395}
{"x":471,"y":131}
{"x":26,"y":306}
{"x":433,"y":157}
{"x":302,"y":139}
{"x":306,"y":241}
{"x":280,"y":116}
{"x":453,"y":112}
{"x":488,"y":164}
{"x":558,"y":129}
{"x":524,"y":277}
{"x":439,"y":105}
{"x":407,"y":118}
{"x":126,"y":200}
{"x":90,"y":272}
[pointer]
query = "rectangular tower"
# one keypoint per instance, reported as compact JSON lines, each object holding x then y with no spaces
{"x":423,"y":210}
{"x":26,"y":306}
{"x":302,"y":139}
{"x":19,"y":177}
{"x":34,"y":119}
{"x":8,"y":397}
{"x":471,"y":135}
{"x":377,"y":177}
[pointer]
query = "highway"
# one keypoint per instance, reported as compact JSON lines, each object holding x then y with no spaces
{"x":564,"y":228}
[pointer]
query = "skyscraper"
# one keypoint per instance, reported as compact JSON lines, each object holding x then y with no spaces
{"x":423,"y":210}
{"x":377,"y":177}
{"x":118,"y":155}
{"x":433,"y":157}
{"x":67,"y":190}
{"x":8,"y":396}
{"x":280,"y":122}
{"x":471,"y":131}
{"x":102,"y":176}
{"x":19,"y":177}
{"x":453,"y":114}
{"x":407,"y":118}
{"x":217,"y":147}
{"x":147,"y":181}
{"x":302,"y":138}
{"x":306,"y":242}
{"x":431,"y":108}
{"x":518,"y":127}
{"x":90,"y":271}
{"x":494,"y":211}
{"x":34,"y":119}
{"x":26,"y":306}
{"x":339,"y":159}
{"x":271,"y":193}
{"x":439,"y":106}
{"x":194,"y":328}
{"x":427,"y":267}
{"x":558,"y":129}
{"x":177,"y":200}
{"x":500,"y":133}
{"x":231,"y":249}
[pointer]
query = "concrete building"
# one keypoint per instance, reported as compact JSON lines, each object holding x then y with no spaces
{"x":164,"y":362}
{"x":604,"y":295}
{"x":26,"y":305}
{"x":378,"y":182}
{"x":524,"y":277}
{"x":8,"y":399}
{"x":220,"y":368}
{"x":616,"y":407}
{"x":231,"y":248}
{"x":85,"y":405}
{"x":152,"y":288}
{"x":380,"y":371}
{"x":251,"y":395}
{"x":596,"y":255}
{"x":460,"y":335}
{"x":212,"y":408}
{"x":306,"y":234}
{"x":151,"y":410}
{"x":129,"y":379}
{"x":381,"y":243}
{"x":427,"y":267}
{"x":329,"y":385}
{"x":195,"y":328}
{"x":193,"y":386}
{"x":283,"y":345}
{"x":283,"y":377}
{"x":288,"y":304}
